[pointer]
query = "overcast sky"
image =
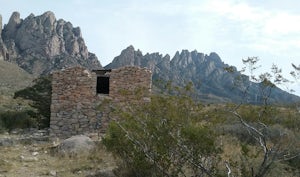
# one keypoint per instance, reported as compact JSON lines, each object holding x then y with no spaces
{"x":235,"y":29}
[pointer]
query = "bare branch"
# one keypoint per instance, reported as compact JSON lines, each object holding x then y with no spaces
{"x":228,"y":169}
{"x":296,"y":67}
{"x":142,"y":148}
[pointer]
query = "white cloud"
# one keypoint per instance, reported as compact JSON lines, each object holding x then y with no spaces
{"x":273,"y":31}
{"x":235,"y":11}
{"x":280,"y":23}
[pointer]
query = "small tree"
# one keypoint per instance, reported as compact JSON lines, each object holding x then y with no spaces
{"x":40,"y":95}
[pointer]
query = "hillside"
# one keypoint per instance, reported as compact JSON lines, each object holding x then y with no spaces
{"x":13,"y":78}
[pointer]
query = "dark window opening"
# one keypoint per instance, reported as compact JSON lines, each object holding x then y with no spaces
{"x":103,"y":84}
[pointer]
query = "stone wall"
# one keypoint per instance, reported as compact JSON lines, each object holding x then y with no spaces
{"x":75,"y":103}
{"x":73,"y":98}
{"x":128,"y":83}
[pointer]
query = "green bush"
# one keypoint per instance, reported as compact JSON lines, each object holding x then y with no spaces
{"x":16,"y":119}
{"x":40,"y":95}
{"x":161,"y":138}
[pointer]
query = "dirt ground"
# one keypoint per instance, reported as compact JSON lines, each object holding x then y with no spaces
{"x":28,"y":159}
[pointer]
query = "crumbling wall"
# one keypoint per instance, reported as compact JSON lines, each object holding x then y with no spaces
{"x":129,"y":83}
{"x":73,"y":102}
{"x":76,"y":107}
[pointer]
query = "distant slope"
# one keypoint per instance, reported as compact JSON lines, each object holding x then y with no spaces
{"x":206,"y":72}
{"x":12,"y":78}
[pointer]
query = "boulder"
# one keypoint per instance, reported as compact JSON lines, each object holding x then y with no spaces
{"x":78,"y":145}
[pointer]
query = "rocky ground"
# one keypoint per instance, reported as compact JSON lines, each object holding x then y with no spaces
{"x":31,"y":154}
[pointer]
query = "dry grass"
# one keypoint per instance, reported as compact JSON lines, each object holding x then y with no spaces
{"x":37,"y":160}
{"x":12,"y":78}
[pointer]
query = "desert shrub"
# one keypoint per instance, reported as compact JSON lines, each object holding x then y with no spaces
{"x":237,"y":130}
{"x":272,"y":133}
{"x":2,"y":126}
{"x":161,"y":138}
{"x":290,"y":119}
{"x":10,"y":120}
{"x":295,"y":163}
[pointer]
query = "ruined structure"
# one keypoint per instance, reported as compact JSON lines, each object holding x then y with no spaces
{"x":78,"y":92}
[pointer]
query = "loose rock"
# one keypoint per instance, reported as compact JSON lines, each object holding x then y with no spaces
{"x":76,"y":146}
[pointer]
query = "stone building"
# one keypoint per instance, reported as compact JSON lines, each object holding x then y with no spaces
{"x":78,"y":92}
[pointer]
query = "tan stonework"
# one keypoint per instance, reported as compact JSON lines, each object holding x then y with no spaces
{"x":75,"y":103}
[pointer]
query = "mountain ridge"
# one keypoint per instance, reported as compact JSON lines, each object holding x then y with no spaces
{"x":206,"y":73}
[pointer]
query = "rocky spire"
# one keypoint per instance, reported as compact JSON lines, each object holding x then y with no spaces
{"x":3,"y":49}
{"x":11,"y":27}
{"x":40,"y":44}
{"x":0,"y":25}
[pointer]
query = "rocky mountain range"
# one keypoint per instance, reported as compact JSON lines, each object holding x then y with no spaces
{"x":41,"y":44}
{"x":212,"y":83}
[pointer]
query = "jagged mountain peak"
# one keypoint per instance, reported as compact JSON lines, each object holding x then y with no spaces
{"x":15,"y":18}
{"x":12,"y":25}
{"x":167,"y":56}
{"x":40,"y":44}
{"x":127,"y":57}
{"x":206,"y":72}
{"x":48,"y":14}
{"x":130,"y":47}
{"x":183,"y":59}
{"x":213,"y":56}
{"x":186,"y":58}
{"x":130,"y":50}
